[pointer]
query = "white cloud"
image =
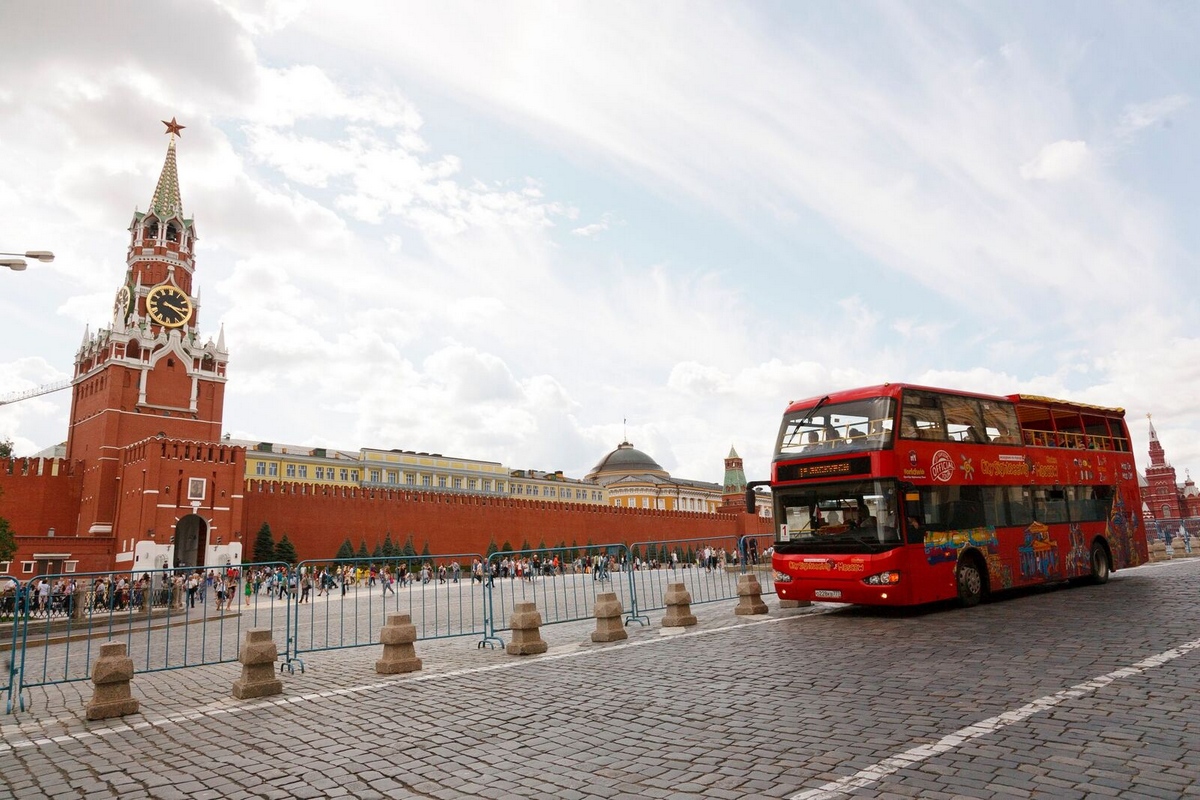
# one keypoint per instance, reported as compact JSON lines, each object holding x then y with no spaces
{"x":1057,"y":161}
{"x":1139,"y":116}
{"x":805,"y":213}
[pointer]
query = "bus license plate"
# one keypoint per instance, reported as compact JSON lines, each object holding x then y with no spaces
{"x":830,"y":594}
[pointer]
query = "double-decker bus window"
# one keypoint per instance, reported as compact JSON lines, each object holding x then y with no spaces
{"x":838,"y":428}
{"x":1049,"y":504}
{"x":1018,"y":504}
{"x":1000,"y":422}
{"x":963,"y":421}
{"x":856,"y":515}
{"x":1089,"y":503}
{"x":952,"y":508}
{"x":921,"y":416}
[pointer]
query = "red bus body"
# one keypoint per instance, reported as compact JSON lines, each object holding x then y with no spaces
{"x":903,"y":495}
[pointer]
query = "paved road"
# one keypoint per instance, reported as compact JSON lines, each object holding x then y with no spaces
{"x":1085,"y":692}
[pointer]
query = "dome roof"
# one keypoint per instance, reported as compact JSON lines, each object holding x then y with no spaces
{"x":626,"y":460}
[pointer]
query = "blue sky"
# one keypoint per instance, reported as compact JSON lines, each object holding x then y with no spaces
{"x":500,"y":230}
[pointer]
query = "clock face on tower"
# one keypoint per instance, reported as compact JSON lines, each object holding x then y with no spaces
{"x":169,"y":306}
{"x":123,"y":305}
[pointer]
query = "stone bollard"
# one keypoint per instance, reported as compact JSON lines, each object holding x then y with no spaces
{"x":527,"y":639}
{"x":1194,"y":545}
{"x":177,"y":592}
{"x":749,"y":596}
{"x":679,"y":607}
{"x":397,"y":637}
{"x":257,"y":655}
{"x":111,"y":674}
{"x":608,"y":619}
{"x":1158,"y":551}
{"x":79,"y":603}
{"x":794,"y":603}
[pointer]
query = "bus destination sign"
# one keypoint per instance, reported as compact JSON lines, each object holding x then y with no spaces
{"x":824,"y":469}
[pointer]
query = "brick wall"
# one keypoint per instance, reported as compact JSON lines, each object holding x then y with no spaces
{"x":317,"y":522}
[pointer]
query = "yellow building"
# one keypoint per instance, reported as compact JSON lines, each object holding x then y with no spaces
{"x":633,"y":479}
{"x":408,"y":469}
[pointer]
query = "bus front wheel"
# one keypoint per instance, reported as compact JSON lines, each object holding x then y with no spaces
{"x":1100,"y":568}
{"x":970,"y":583}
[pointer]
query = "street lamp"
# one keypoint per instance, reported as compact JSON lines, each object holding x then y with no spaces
{"x":17,"y":264}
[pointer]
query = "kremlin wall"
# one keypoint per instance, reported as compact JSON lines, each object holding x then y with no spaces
{"x":147,"y":482}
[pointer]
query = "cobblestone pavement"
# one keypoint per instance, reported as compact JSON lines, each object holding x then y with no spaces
{"x":1079,"y":692}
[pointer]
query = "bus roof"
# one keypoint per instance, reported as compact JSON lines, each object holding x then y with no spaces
{"x":1050,"y":401}
{"x":894,"y":390}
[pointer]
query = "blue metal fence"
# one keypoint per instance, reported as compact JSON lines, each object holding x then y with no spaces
{"x":172,"y":619}
{"x":348,"y":600}
{"x":561,"y":581}
{"x":168,"y":619}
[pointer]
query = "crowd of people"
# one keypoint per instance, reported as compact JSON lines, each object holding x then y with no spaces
{"x":59,"y":595}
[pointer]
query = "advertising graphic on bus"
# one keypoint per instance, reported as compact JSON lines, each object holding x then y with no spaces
{"x":903,"y":495}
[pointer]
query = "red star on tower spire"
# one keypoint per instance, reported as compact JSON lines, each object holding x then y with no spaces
{"x":173,"y":127}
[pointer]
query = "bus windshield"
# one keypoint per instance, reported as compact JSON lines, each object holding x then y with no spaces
{"x":839,"y":427}
{"x":853,"y":513}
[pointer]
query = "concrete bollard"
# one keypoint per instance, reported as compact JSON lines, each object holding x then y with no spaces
{"x":608,"y":619}
{"x":794,"y":603}
{"x":111,"y":675}
{"x":257,"y":655}
{"x":397,"y":637}
{"x":679,"y":607}
{"x":1158,"y":551}
{"x":749,"y":596}
{"x":527,"y":639}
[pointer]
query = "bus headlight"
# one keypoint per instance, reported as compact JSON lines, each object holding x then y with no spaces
{"x":782,"y":577}
{"x":883,"y":579}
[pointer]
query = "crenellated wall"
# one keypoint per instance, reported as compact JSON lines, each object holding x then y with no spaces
{"x":39,"y":494}
{"x":318,"y":519}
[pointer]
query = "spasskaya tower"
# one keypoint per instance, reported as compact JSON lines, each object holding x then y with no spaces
{"x":148,"y":375}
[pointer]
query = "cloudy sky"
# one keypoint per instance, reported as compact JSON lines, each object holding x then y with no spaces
{"x":500,"y":230}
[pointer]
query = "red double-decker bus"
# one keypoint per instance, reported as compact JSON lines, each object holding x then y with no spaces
{"x":901,"y":495}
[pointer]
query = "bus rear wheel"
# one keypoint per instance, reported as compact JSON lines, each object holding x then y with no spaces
{"x":969,"y":579}
{"x":1100,"y":567}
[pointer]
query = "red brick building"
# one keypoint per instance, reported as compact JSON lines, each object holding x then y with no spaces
{"x":147,"y":481}
{"x":1168,"y":505}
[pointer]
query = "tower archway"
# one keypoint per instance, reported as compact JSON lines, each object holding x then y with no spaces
{"x":191,"y":535}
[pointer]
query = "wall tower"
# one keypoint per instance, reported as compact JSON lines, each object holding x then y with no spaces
{"x":147,"y":375}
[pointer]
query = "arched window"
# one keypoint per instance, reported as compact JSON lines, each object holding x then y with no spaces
{"x":1166,"y":510}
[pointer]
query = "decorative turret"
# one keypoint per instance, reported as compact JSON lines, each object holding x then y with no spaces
{"x":735,"y":475}
{"x":1162,"y":495}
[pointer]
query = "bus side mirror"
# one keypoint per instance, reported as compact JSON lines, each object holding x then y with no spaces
{"x":752,"y":496}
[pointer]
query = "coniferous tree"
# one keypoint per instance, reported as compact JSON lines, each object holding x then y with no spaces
{"x":525,"y":544}
{"x":363,"y":552}
{"x":389,"y":547}
{"x":346,"y":550}
{"x":264,"y":545}
{"x":6,"y":446}
{"x":8,"y":541}
{"x":409,"y":548}
{"x":425,"y":550}
{"x":506,"y":547}
{"x":377,"y":553}
{"x":491,"y":548}
{"x":285,"y":551}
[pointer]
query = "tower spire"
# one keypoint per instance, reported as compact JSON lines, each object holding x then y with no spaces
{"x":166,"y":202}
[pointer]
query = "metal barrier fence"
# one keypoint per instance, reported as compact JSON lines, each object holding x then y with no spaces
{"x":12,"y":601}
{"x":347,"y":600}
{"x":172,"y":619}
{"x":168,"y":619}
{"x":756,"y":550}
{"x":561,"y":581}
